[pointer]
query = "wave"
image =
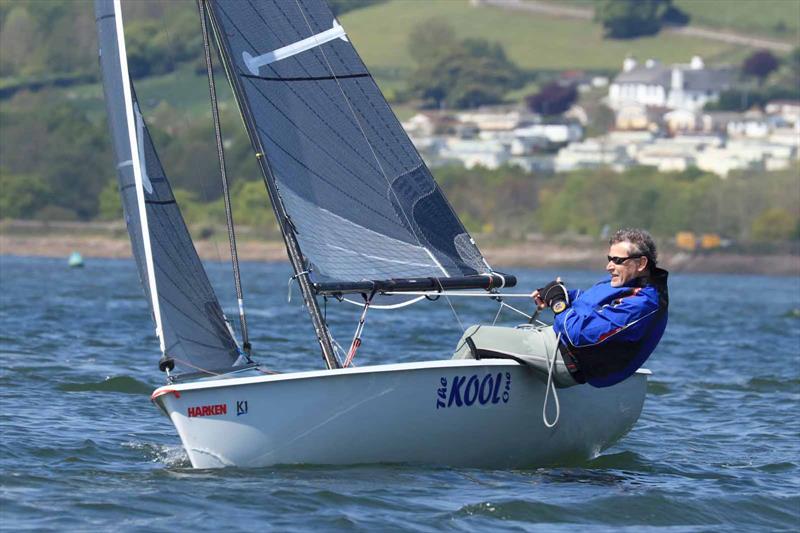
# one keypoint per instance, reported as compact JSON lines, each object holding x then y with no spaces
{"x":124,"y":384}
{"x":792,"y":313}
{"x":169,"y":456}
{"x":754,"y":384}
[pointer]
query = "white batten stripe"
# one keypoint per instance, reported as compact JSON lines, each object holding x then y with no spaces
{"x":137,"y":172}
{"x":255,"y":63}
{"x":140,"y":139}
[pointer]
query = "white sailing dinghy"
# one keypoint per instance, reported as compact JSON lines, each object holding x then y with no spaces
{"x":360,"y":214}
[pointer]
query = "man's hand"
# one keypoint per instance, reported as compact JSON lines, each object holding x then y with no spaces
{"x":553,"y":295}
{"x":537,"y":299}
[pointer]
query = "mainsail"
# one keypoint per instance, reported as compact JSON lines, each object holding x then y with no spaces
{"x":358,"y":197}
{"x":194,"y":331}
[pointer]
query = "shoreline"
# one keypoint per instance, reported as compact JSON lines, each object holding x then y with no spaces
{"x":532,"y":254}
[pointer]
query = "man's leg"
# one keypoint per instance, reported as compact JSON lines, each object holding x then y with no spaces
{"x":533,"y":346}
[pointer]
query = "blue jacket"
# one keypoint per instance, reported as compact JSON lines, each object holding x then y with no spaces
{"x":611,"y":331}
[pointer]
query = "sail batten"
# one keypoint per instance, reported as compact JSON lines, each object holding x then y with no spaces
{"x":362,"y":201}
{"x":193,"y":329}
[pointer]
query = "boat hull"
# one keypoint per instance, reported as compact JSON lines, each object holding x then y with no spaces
{"x":466,"y":413}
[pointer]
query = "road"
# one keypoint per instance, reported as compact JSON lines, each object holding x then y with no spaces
{"x":573,"y":12}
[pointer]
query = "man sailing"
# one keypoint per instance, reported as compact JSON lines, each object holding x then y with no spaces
{"x":600,"y":336}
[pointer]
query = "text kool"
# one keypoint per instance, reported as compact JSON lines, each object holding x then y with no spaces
{"x":469,"y":390}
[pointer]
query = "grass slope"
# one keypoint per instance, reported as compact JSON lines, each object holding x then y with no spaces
{"x":774,"y":19}
{"x":533,"y":41}
{"x":778,"y":19}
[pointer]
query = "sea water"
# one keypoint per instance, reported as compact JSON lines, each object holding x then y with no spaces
{"x":717,"y":446}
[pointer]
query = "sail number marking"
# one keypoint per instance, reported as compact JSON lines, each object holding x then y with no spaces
{"x":470,"y":390}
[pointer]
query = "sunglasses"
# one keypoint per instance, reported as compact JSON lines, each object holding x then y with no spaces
{"x":621,"y":260}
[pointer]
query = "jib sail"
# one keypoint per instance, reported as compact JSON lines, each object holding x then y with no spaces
{"x":194,"y":331}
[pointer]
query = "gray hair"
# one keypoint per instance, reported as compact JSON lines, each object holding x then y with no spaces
{"x":641,"y":241}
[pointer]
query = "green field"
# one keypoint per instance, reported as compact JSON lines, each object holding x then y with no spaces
{"x":777,"y":19}
{"x":533,"y":41}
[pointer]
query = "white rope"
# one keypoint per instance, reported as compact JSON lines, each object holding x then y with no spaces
{"x":523,"y":313}
{"x":550,"y":385}
{"x":386,"y":307}
{"x":291,"y":279}
{"x":497,"y":315}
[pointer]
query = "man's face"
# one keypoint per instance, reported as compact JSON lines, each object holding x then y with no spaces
{"x":629,"y":269}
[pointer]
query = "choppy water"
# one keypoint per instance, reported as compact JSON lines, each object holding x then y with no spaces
{"x":717,"y":446}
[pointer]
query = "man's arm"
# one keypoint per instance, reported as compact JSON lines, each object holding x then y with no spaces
{"x":624,"y":319}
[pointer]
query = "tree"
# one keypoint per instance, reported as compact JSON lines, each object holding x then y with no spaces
{"x":109,"y":205}
{"x":759,"y":65}
{"x":17,"y":37}
{"x":553,"y":99}
{"x":22,"y":196}
{"x":774,"y":224}
{"x":433,"y":37}
{"x":794,"y":61}
{"x":472,"y":73}
{"x":60,"y":145}
{"x":625,"y":19}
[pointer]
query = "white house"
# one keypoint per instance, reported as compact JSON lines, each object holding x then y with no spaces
{"x":789,"y":110}
{"x":678,"y":86}
{"x":751,"y":125}
{"x":473,"y":152}
{"x":554,"y":133}
{"x":420,"y":125}
{"x":499,"y":120}
{"x":592,"y":153}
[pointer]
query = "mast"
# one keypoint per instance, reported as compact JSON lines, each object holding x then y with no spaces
{"x":137,"y":173}
{"x":223,"y":174}
{"x":284,"y":222}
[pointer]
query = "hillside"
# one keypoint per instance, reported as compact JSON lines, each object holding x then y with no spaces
{"x":380,"y":32}
{"x":777,"y":19}
{"x":774,"y":19}
{"x":534,"y":41}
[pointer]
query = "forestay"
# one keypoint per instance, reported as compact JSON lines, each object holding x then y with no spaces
{"x":362,"y":203}
{"x":195,"y":332}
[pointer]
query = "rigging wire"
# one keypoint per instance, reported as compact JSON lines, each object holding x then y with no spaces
{"x":224,"y":177}
{"x":324,"y":336}
{"x":204,"y":193}
{"x":372,"y":150}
